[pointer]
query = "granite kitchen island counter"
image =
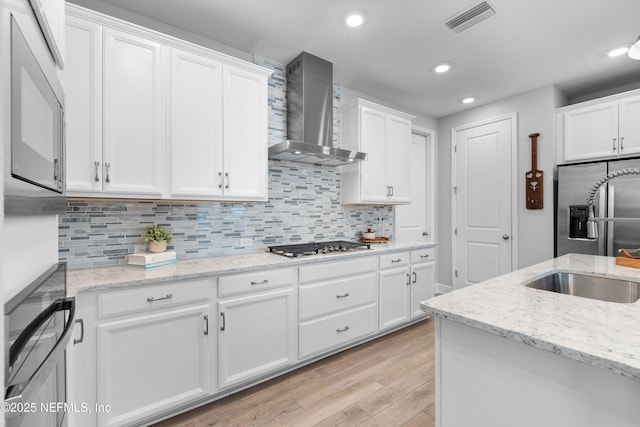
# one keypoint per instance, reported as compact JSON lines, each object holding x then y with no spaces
{"x":122,"y":276}
{"x":534,"y":370}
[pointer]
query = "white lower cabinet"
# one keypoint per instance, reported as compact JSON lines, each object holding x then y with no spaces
{"x":142,"y":352}
{"x":337,"y":304}
{"x":256,"y":331}
{"x":405,"y":279}
{"x":151,"y":363}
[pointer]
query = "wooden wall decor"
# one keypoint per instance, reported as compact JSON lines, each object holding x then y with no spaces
{"x":534,"y":178}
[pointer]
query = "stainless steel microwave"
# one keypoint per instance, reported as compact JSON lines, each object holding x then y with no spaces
{"x":37,"y":152}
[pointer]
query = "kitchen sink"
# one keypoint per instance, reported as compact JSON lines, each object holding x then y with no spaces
{"x":587,"y":286}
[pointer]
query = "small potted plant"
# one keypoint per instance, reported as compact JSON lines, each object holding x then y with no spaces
{"x":157,"y":238}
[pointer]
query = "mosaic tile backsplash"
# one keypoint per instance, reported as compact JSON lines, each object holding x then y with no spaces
{"x":304,"y":205}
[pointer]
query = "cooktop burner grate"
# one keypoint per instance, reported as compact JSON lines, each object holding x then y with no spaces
{"x":315,"y":248}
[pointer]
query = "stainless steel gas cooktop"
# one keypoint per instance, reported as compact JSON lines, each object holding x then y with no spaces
{"x":315,"y":248}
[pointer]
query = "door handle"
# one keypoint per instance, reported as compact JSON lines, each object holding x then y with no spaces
{"x":614,"y":144}
{"x":505,"y":236}
{"x":227,"y":180}
{"x":107,"y":166}
{"x":79,"y":340}
{"x":224,"y":322}
{"x":415,"y":277}
{"x":96,"y":164}
{"x":206,"y":324}
{"x":219,"y":179}
{"x":408,"y":279}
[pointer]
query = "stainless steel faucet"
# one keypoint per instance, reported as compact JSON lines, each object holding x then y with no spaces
{"x":592,"y":221}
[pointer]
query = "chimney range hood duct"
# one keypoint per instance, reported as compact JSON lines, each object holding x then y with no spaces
{"x":310,"y":116}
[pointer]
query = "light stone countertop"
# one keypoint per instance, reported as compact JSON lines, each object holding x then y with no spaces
{"x":603,"y":334}
{"x":121,"y":276}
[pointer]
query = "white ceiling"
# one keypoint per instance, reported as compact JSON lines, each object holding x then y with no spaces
{"x":528,"y":44}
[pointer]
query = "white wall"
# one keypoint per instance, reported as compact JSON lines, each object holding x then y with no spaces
{"x":536,"y":113}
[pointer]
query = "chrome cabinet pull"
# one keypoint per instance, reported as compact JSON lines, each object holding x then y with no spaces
{"x":345,"y":329}
{"x":206,"y":324}
{"x":152,"y":299}
{"x":621,"y":143}
{"x":96,"y":164}
{"x":392,"y":191}
{"x":425,"y":234}
{"x":227,"y":180}
{"x":396,"y":260}
{"x":107,"y":165}
{"x":219,"y":179}
{"x":415,"y":277}
{"x":614,"y":144}
{"x":388,"y":191}
{"x":346,"y":294}
{"x":265,"y":281}
{"x":79,"y":340}
{"x":224,"y":322}
{"x":408,"y":279}
{"x":424,"y":256}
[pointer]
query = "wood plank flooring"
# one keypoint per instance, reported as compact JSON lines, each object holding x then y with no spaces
{"x":387,"y":382}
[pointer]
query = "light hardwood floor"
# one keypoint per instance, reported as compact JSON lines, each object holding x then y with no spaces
{"x":387,"y":382}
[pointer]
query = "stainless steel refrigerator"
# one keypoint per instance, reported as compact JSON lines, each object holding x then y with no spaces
{"x":618,"y":201}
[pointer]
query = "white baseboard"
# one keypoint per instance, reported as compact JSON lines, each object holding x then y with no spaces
{"x":441,"y":288}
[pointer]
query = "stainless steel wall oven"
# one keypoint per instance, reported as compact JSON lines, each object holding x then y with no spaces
{"x":38,"y":326}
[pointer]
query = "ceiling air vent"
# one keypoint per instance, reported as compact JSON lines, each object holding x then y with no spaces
{"x":469,"y":17}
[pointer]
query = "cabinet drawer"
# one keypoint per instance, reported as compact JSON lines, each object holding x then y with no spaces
{"x":323,"y":334}
{"x":329,"y":297}
{"x":255,"y":281}
{"x":337,"y":269}
{"x":423,"y":255}
{"x":399,"y":259}
{"x":153,"y":297}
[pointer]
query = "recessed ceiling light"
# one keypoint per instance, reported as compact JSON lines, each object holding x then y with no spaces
{"x":354,"y":19}
{"x":442,"y":68}
{"x":618,"y":51}
{"x":468,"y":100}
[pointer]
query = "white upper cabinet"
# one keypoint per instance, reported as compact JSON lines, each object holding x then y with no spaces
{"x":600,"y":129}
{"x":133,"y":114}
{"x":384,"y":134}
{"x":245,"y":134}
{"x":82,"y":82}
{"x":195,"y":134}
{"x":151,"y":116}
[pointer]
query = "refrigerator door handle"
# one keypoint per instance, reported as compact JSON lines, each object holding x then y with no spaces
{"x":610,"y":214}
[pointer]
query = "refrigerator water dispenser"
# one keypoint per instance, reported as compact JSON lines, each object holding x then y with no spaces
{"x":578,"y":216}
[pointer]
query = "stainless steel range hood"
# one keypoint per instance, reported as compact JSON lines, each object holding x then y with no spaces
{"x":310,"y":116}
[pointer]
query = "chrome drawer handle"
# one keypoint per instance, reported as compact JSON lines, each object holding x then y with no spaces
{"x":206,"y":324}
{"x":346,"y":294}
{"x":224,"y":321}
{"x":265,"y":281}
{"x":345,"y":329}
{"x":152,"y":299}
{"x":396,"y":260}
{"x":96,"y":164}
{"x":424,"y":256}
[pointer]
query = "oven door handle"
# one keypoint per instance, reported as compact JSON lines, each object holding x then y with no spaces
{"x":23,"y":392}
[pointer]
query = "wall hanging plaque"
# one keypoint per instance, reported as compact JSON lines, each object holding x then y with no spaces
{"x":534,"y":178}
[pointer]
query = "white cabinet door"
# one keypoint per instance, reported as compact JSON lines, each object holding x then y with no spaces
{"x":591,"y":132}
{"x":422,"y":282}
{"x":245,"y":134}
{"x":373,"y":180}
{"x":134,"y":123}
{"x":152,"y":363}
{"x":257,"y":335}
{"x":395,"y":297}
{"x":629,"y":123}
{"x":82,"y":83}
{"x":397,"y":156}
{"x":195,"y":131}
{"x":51,"y":17}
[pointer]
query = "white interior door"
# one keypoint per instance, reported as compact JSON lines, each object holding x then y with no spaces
{"x":412,"y":220}
{"x":482,"y":179}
